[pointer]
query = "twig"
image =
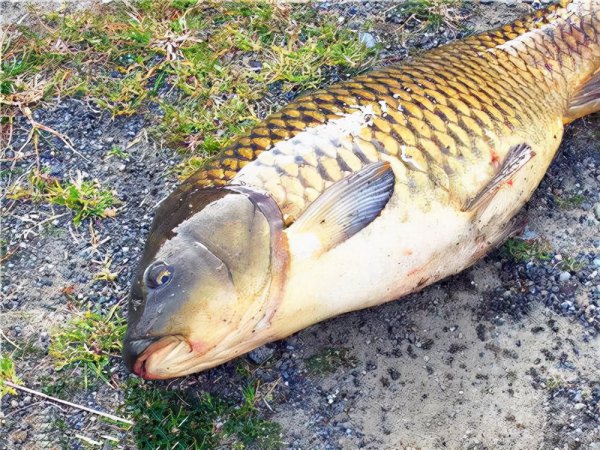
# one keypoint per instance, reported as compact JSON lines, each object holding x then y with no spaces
{"x":8,"y":340}
{"x":64,"y":402}
{"x":32,"y":405}
{"x":88,"y":440}
{"x":36,"y":224}
{"x":38,"y":126}
{"x":268,"y":406}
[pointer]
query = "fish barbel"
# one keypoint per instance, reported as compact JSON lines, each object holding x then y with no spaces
{"x":360,"y":193}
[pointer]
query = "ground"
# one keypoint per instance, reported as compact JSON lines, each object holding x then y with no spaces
{"x":503,"y":355}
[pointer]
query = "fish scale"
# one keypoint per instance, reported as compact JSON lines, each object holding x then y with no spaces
{"x":441,"y":115}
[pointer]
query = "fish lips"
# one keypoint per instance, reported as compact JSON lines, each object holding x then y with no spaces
{"x":156,"y":358}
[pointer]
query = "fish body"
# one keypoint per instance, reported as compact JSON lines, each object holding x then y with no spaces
{"x":365,"y":191}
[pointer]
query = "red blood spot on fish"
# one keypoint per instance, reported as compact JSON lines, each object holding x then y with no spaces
{"x":510,"y":183}
{"x":199,"y":347}
{"x":495,"y":158}
{"x":415,"y":271}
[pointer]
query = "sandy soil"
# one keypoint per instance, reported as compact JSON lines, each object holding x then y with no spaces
{"x":505,"y":355}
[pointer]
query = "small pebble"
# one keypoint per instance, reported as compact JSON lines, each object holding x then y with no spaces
{"x":564,"y":276}
{"x":368,"y":39}
{"x":597,"y":210}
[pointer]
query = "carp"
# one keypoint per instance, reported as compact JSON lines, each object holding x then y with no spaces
{"x":360,"y":193}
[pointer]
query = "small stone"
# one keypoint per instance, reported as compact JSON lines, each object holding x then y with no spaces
{"x":566,"y":304}
{"x":596,"y":262}
{"x":597,"y":210}
{"x":579,"y":406}
{"x":564,"y":276}
{"x":18,"y":437}
{"x":367,"y":39}
{"x":261,"y":355}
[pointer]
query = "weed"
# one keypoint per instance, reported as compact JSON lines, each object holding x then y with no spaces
{"x":525,"y":250}
{"x":63,"y":387}
{"x":182,"y":420}
{"x":7,"y":373}
{"x":85,"y":198}
{"x":432,"y":14}
{"x":570,"y":202}
{"x":571,"y":265}
{"x":88,"y":342}
{"x":117,"y":152}
{"x":105,"y":273}
{"x":28,"y":348}
{"x":329,"y":360}
{"x":554,"y":384}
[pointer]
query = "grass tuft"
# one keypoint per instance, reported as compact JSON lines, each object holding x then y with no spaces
{"x":329,"y":360}
{"x":7,"y":373}
{"x":88,"y":342}
{"x":526,"y":250}
{"x":86,"y":199}
{"x":569,"y":202}
{"x":182,"y":420}
{"x":432,"y":14}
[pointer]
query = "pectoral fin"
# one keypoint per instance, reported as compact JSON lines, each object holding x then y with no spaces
{"x":586,"y":100}
{"x":344,"y":209}
{"x":518,"y":156}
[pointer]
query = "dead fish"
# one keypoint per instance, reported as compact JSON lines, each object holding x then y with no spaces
{"x":360,"y":193}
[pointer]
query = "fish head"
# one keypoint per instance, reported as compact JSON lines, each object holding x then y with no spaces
{"x":203,"y":290}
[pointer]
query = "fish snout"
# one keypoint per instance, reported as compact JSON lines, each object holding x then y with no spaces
{"x":158,"y":358}
{"x":132,"y":349}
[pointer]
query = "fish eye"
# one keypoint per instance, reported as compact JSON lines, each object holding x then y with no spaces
{"x":158,"y":274}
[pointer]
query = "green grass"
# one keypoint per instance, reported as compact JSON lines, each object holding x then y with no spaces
{"x":117,"y":152}
{"x":526,"y":250}
{"x":168,"y":419}
{"x":190,"y":58}
{"x":88,"y":342}
{"x":569,"y":202}
{"x":432,"y":14}
{"x":329,"y":360}
{"x":85,"y":198}
{"x":554,"y":384}
{"x":7,"y":373}
{"x":571,"y":264}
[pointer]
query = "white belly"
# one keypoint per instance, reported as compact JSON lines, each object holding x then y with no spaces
{"x":386,"y":260}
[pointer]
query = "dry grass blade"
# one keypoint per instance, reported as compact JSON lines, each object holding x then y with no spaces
{"x":39,"y":126}
{"x":64,"y":402}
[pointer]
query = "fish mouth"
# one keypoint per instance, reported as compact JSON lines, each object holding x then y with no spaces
{"x":162,"y":357}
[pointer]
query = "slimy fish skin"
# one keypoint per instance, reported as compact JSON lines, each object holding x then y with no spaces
{"x":360,"y":193}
